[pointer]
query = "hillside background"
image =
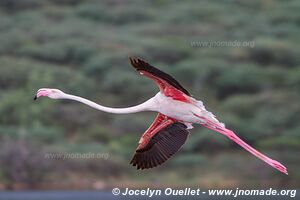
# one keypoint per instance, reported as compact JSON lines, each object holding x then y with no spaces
{"x":82,"y":47}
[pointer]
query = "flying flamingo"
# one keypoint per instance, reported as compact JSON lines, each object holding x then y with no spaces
{"x":177,"y":111}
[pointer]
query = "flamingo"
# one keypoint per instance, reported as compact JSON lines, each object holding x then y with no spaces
{"x":177,"y":111}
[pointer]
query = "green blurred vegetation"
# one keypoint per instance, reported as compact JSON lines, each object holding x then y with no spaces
{"x":82,"y":47}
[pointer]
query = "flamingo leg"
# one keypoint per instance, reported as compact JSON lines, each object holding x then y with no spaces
{"x":232,"y":136}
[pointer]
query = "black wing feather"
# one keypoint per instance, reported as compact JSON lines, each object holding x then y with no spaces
{"x":139,"y":64}
{"x":161,"y":146}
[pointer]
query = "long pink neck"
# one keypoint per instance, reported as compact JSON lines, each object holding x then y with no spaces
{"x":146,"y":106}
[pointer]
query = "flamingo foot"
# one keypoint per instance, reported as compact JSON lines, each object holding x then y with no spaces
{"x":277,"y":165}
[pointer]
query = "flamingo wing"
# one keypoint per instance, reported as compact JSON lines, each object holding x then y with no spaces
{"x":166,"y":83}
{"x":163,"y":140}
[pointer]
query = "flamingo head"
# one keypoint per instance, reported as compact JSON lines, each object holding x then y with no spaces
{"x":48,"y":92}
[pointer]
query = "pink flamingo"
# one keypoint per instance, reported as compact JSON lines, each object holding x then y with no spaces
{"x":177,"y":111}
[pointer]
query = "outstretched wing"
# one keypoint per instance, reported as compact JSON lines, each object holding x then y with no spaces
{"x":165,"y":140}
{"x":162,"y":79}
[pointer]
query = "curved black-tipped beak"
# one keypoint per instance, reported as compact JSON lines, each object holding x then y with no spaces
{"x":35,"y":98}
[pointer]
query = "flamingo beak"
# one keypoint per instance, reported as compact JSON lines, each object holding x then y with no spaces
{"x":40,"y":93}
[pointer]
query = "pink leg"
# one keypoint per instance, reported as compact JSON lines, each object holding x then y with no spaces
{"x":231,"y":135}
